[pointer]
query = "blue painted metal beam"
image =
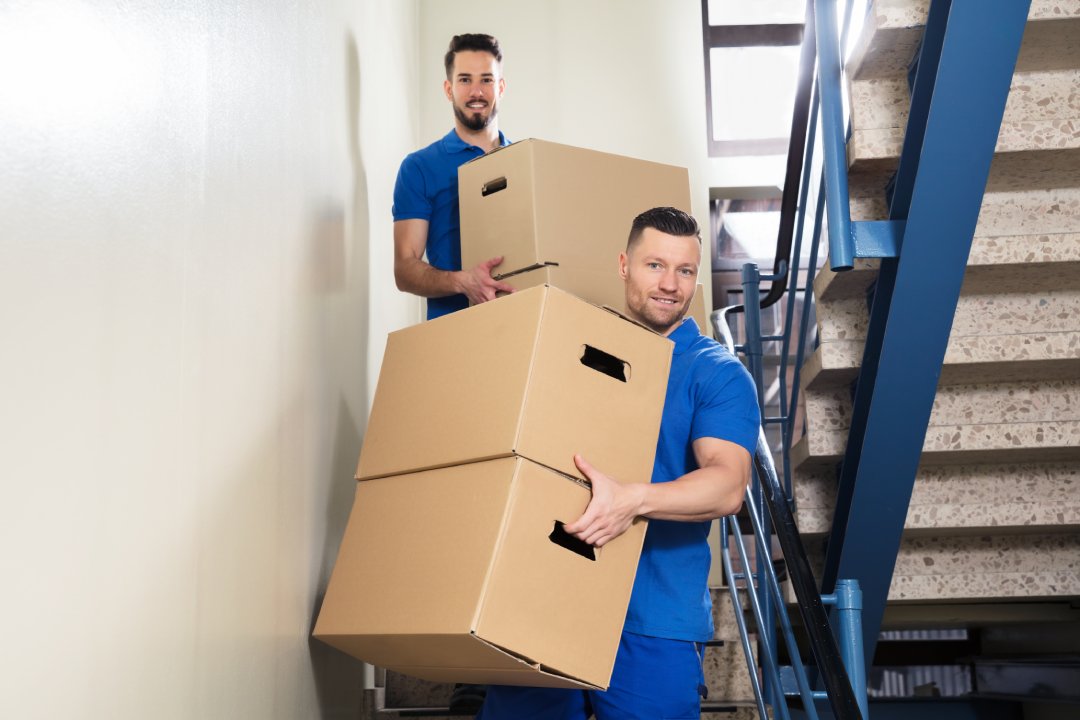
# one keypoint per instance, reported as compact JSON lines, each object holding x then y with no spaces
{"x":969,"y":53}
{"x":877,"y":238}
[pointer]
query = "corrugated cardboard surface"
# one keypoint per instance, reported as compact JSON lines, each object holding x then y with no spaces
{"x":563,"y":205}
{"x":506,"y":377}
{"x":449,"y":574}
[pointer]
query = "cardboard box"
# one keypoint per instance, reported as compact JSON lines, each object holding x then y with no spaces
{"x":560,"y":215}
{"x":540,"y":374}
{"x":697,"y":311}
{"x":452,"y":575}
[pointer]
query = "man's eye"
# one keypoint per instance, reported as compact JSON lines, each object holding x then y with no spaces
{"x":653,"y":265}
{"x":687,"y":272}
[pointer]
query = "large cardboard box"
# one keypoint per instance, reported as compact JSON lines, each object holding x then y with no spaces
{"x":560,"y":214}
{"x":459,"y":574}
{"x":540,"y":373}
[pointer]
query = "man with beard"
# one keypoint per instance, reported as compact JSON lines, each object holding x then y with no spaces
{"x":708,"y":432}
{"x":426,"y":217}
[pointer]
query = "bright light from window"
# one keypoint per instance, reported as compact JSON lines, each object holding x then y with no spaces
{"x":753,"y":91}
{"x":756,"y":12}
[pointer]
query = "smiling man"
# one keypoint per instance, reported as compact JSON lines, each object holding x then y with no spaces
{"x":708,"y":432}
{"x":426,"y":217}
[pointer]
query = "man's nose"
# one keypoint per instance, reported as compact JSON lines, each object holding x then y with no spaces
{"x":668,"y":281}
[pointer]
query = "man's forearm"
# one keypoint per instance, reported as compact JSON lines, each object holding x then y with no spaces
{"x":415,"y":276}
{"x":704,"y":494}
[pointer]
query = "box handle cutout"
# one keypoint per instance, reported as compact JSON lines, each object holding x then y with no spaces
{"x":606,"y":363}
{"x":563,"y":539}
{"x":493,"y":186}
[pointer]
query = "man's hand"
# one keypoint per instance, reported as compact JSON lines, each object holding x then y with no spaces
{"x":478,"y":285}
{"x":612,"y":509}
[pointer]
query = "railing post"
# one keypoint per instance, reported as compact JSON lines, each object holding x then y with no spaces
{"x":752,"y":348}
{"x":848,"y":603}
{"x":838,"y":211}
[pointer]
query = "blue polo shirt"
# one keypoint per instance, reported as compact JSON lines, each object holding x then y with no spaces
{"x":709,"y":394}
{"x":427,"y":189}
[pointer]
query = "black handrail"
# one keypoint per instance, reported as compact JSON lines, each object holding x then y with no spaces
{"x":789,"y":201}
{"x":814,"y":615}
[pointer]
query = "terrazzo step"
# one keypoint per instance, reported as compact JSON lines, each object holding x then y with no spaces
{"x":964,"y":499}
{"x":1005,"y":263}
{"x":1042,"y":114}
{"x":1006,"y":335}
{"x":1018,"y":422}
{"x":980,"y":568}
{"x":893,"y":29}
{"x":726,"y":674}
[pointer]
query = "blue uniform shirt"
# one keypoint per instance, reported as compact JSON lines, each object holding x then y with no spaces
{"x":709,"y":394}
{"x":427,"y":189}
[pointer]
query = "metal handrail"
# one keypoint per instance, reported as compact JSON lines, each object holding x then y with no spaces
{"x":812,"y":609}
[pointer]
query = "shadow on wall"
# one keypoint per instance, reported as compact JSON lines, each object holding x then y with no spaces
{"x":339,"y":678}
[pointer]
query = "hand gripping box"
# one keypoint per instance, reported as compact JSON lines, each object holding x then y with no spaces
{"x":559,"y":214}
{"x":539,"y":373}
{"x":464,"y":574}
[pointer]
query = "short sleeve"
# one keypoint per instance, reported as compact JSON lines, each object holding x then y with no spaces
{"x":411,"y":201}
{"x":726,"y":403}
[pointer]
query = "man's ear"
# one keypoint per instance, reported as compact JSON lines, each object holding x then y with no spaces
{"x":623,"y":260}
{"x":447,"y":89}
{"x":502,"y":86}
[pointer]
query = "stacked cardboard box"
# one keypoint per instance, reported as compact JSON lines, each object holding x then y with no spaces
{"x":560,"y":215}
{"x":454,"y":565}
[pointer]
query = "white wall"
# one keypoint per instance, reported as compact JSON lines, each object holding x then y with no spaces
{"x":195,"y":285}
{"x":611,"y":75}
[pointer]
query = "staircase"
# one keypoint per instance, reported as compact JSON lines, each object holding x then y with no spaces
{"x":991,"y":532}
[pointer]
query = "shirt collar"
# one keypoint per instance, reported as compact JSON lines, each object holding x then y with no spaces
{"x":454,"y":144}
{"x":685,"y":335}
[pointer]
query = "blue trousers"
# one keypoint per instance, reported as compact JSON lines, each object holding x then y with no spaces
{"x":653,"y":679}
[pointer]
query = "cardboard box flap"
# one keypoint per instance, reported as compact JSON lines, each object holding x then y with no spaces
{"x":530,"y":268}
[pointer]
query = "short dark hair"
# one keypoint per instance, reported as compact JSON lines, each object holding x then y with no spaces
{"x":668,"y":220}
{"x":471,"y":41}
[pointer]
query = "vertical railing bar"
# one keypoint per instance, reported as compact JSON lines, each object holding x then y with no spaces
{"x":740,"y":621}
{"x":841,"y":244}
{"x":800,"y":351}
{"x":785,"y":623}
{"x":787,"y":429}
{"x":767,"y":653}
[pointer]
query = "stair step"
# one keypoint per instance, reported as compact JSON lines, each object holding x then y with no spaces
{"x":992,"y":423}
{"x":1021,"y":263}
{"x":1041,"y":113}
{"x":968,"y":360}
{"x":726,"y":675}
{"x":977,"y":315}
{"x":893,"y":29}
{"x":1037,"y":497}
{"x":983,"y":568}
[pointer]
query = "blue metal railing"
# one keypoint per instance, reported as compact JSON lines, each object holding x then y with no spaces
{"x":840,"y":668}
{"x":944,"y":189}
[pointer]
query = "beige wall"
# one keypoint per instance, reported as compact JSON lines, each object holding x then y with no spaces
{"x":617,"y":76}
{"x":194,"y":290}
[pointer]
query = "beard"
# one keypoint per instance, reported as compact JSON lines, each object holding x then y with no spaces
{"x":657,"y":319}
{"x":475,"y":121}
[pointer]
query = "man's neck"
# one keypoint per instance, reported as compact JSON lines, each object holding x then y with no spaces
{"x":486,"y":139}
